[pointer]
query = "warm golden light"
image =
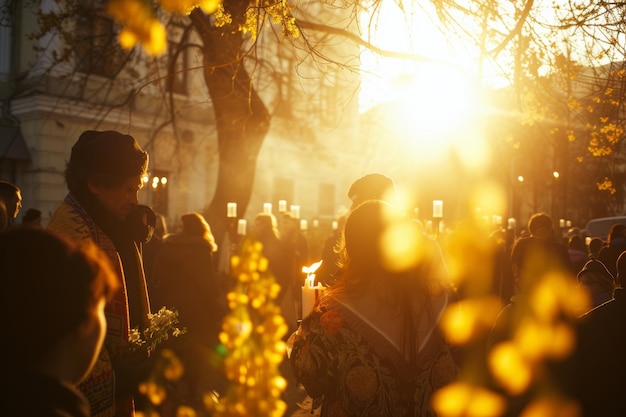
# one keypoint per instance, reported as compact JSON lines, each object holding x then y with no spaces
{"x":400,"y":246}
{"x":490,"y":196}
{"x":510,"y":368}
{"x":552,"y":406}
{"x":465,"y":320}
{"x":465,"y":400}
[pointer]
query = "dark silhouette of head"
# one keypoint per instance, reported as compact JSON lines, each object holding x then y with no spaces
{"x":194,"y":224}
{"x":616,"y":232}
{"x":595,"y":244}
{"x":106,"y":158}
{"x":540,"y":225}
{"x":265,"y":227}
{"x":51,"y":287}
{"x":595,"y":273}
{"x":32,"y":216}
{"x":373,"y":186}
{"x":576,"y":242}
{"x":11,"y":196}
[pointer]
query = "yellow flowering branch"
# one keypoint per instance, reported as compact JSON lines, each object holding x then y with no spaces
{"x":252,"y":333}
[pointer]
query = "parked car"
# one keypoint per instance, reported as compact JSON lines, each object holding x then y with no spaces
{"x":601,"y":226}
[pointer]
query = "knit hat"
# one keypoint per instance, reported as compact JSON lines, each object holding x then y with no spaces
{"x":597,"y":269}
{"x":108,"y":153}
{"x":372,"y":187}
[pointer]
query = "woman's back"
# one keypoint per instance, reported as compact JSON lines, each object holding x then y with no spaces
{"x":372,"y":346}
{"x":346,"y":364}
{"x":186,"y":279}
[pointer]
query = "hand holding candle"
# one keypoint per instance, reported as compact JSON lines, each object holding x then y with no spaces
{"x":310,"y":291}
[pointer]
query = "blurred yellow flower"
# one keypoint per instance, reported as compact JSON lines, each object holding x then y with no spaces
{"x":464,"y":400}
{"x":552,"y":407}
{"x":468,"y":319}
{"x":510,"y":368}
{"x":252,"y":333}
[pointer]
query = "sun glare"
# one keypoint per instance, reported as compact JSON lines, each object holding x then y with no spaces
{"x":438,"y":100}
{"x":431,"y":102}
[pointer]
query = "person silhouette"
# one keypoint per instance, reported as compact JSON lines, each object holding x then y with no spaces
{"x":52,"y":306}
{"x":593,"y":374}
{"x":11,"y":199}
{"x":371,"y":345}
{"x":104,"y":176}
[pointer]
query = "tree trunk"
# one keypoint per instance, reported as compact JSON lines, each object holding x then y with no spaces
{"x":241,"y":116}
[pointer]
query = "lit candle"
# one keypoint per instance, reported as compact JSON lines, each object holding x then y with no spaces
{"x":310,"y":291}
{"x":295,"y":211}
{"x":282,"y":206}
{"x":241,"y":227}
{"x":335,"y":225}
{"x":512,"y":223}
{"x":316,"y":224}
{"x":231,"y":210}
{"x":267,"y":208}
{"x":304,"y":225}
{"x":437,"y":209}
{"x":568,"y":223}
{"x":561,"y":223}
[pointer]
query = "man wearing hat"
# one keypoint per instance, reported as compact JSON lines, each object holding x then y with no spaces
{"x":598,"y":281}
{"x":594,"y":372}
{"x":104,"y":176}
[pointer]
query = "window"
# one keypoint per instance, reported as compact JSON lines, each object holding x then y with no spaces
{"x":97,"y":50}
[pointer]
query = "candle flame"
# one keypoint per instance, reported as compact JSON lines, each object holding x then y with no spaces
{"x":312,"y":268}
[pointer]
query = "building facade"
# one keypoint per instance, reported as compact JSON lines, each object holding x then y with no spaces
{"x":52,"y":90}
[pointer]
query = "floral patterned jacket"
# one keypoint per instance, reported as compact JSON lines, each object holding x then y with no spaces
{"x":350,"y":369}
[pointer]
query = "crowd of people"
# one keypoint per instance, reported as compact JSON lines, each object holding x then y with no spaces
{"x":375,"y":344}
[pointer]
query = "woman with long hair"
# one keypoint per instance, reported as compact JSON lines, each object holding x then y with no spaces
{"x":186,"y":281}
{"x":371,"y":345}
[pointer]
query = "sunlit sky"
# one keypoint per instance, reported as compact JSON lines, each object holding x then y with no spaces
{"x":410,"y":32}
{"x":437,"y":98}
{"x":413,"y":31}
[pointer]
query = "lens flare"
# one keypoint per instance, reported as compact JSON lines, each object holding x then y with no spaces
{"x":464,"y":400}
{"x":510,"y":368}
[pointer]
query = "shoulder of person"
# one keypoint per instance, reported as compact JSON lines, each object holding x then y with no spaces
{"x":69,"y":223}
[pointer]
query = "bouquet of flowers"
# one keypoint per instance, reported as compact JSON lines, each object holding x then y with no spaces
{"x":163,"y":324}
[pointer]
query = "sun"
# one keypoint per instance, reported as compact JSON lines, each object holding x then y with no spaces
{"x":436,"y":97}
